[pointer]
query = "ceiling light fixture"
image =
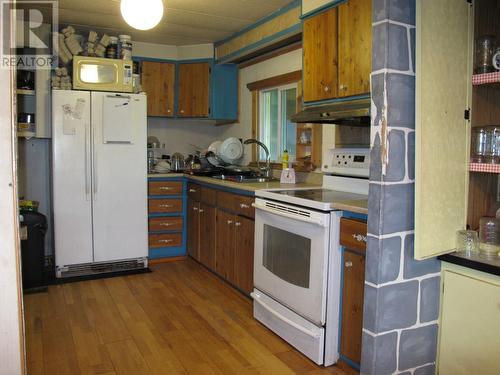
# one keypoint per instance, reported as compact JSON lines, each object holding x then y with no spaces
{"x":142,"y":14}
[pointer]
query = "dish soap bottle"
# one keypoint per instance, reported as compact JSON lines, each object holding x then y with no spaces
{"x":284,"y":159}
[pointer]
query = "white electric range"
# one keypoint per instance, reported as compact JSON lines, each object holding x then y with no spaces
{"x":297,"y":262}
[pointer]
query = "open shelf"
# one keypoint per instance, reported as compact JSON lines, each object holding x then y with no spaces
{"x":484,"y":167}
{"x":487,"y":79}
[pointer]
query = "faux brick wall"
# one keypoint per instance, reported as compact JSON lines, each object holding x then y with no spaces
{"x":401,"y":294}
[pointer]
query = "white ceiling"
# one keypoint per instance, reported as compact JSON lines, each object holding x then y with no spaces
{"x":184,"y":21}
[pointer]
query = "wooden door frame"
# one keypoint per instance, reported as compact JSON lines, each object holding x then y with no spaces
{"x":12,"y":343}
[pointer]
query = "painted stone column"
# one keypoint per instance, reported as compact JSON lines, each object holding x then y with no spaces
{"x":401,"y":300}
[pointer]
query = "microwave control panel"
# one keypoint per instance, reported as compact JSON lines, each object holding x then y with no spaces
{"x":347,"y":161}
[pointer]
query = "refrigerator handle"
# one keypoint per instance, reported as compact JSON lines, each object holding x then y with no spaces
{"x":94,"y":170}
{"x":87,"y":164}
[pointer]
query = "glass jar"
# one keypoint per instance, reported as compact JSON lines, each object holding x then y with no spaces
{"x":485,"y":48}
{"x":489,"y":236}
{"x":111,"y":50}
{"x":485,"y":144}
{"x":125,"y":47}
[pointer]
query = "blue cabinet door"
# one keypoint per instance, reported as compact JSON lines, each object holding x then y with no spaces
{"x":224,"y":92}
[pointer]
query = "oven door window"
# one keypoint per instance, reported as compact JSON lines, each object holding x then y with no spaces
{"x":287,"y":255}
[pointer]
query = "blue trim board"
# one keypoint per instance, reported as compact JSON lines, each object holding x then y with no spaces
{"x":286,"y":8}
{"x":321,"y":9}
{"x":290,"y":31}
{"x":350,"y":362}
{"x":338,"y":100}
{"x":166,"y":252}
{"x":354,"y":215}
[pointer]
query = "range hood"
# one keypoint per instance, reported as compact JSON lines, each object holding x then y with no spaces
{"x":354,"y":112}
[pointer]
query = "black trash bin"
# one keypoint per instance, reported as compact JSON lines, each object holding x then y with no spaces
{"x":33,"y":250}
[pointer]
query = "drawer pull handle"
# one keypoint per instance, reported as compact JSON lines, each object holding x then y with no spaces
{"x":359,"y":237}
{"x":348,"y":264}
{"x":243,"y":205}
{"x":237,"y":224}
{"x":192,"y":190}
{"x":229,"y":222}
{"x":166,"y":241}
{"x":166,"y":205}
{"x":201,"y":210}
{"x":165,"y":224}
{"x":195,"y":208}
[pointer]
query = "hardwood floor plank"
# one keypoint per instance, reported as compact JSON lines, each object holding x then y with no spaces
{"x":180,"y":319}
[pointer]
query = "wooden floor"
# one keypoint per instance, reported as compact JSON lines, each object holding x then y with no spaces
{"x":179,"y":319}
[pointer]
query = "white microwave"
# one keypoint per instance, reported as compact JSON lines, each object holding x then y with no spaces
{"x":100,"y":74}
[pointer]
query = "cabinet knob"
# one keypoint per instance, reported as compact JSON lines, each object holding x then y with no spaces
{"x":192,"y":190}
{"x":201,"y":210}
{"x":238,"y":224}
{"x":181,"y":111}
{"x":343,"y":87}
{"x":169,"y":110}
{"x":229,"y":222}
{"x":327,"y":88}
{"x":348,"y":264}
{"x":243,"y":205}
{"x":195,"y":208}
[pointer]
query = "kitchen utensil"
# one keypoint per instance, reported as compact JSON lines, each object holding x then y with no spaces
{"x":215,"y":148}
{"x":467,"y":242}
{"x":496,"y":59}
{"x":177,"y":162}
{"x":489,"y":237}
{"x":485,"y":48}
{"x":485,"y":144}
{"x":231,"y":150}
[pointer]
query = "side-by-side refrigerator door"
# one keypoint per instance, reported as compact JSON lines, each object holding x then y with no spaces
{"x":120,"y":176}
{"x":71,"y":170}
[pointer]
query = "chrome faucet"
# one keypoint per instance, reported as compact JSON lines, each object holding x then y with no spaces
{"x":268,"y":156}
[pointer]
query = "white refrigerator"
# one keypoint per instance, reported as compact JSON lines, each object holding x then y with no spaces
{"x":99,"y":182}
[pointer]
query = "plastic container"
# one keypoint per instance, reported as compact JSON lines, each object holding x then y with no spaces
{"x":125,"y":47}
{"x":489,"y":237}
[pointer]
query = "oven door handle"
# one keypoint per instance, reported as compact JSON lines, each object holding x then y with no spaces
{"x":298,"y":327}
{"x":291,"y":216}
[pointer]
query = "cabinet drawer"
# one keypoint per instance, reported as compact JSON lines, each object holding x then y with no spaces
{"x":353,"y":234}
{"x":194,"y":191}
{"x":165,"y":223}
{"x":165,"y":187}
{"x":164,"y":240}
{"x":208,"y":196}
{"x":164,"y":205}
{"x":243,"y":206}
{"x":226,"y":200}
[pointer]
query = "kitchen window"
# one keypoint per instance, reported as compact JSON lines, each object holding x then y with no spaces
{"x":276,"y":106}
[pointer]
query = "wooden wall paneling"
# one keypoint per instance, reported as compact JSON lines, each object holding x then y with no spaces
{"x":252,"y":36}
{"x":279,"y":80}
{"x":354,"y":47}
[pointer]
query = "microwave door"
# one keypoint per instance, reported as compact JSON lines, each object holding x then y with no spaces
{"x":290,"y":263}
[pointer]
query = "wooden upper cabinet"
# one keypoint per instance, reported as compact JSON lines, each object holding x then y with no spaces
{"x":355,"y":47}
{"x":158,"y":81}
{"x":194,"y":90}
{"x":337,"y":52}
{"x":320,"y":56}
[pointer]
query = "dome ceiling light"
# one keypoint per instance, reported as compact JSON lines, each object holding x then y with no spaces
{"x":142,"y":14}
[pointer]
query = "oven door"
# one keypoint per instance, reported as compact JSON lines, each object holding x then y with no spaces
{"x":291,"y":257}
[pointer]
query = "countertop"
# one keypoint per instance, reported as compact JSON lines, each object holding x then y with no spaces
{"x":475,"y":261}
{"x":357,"y":206}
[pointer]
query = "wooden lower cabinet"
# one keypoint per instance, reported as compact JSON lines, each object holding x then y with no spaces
{"x":221,"y":234}
{"x":244,"y":250}
{"x":193,"y":229}
{"x":352,"y":305}
{"x":206,"y":235}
